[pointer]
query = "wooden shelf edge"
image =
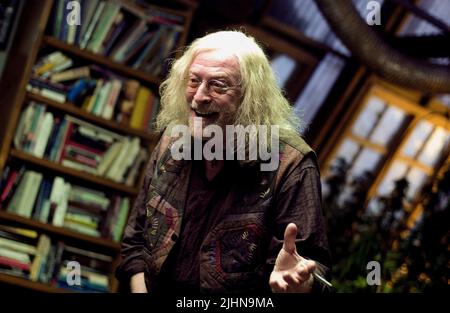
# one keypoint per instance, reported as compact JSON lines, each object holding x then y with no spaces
{"x":72,"y":109}
{"x":103,"y":60}
{"x":25,"y":283}
{"x":37,"y":225}
{"x":72,"y":172}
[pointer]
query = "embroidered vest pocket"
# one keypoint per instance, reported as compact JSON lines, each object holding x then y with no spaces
{"x":232,"y":253}
{"x":162,"y":227}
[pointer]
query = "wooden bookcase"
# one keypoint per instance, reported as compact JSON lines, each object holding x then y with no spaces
{"x":30,"y":38}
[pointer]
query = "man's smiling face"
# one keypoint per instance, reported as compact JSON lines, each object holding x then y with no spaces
{"x":213,"y":89}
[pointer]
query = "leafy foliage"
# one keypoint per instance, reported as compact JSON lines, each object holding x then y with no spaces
{"x":413,"y":259}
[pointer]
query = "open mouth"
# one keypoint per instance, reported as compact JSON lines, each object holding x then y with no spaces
{"x":204,"y":113}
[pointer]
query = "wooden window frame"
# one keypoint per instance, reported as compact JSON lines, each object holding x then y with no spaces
{"x":409,"y":102}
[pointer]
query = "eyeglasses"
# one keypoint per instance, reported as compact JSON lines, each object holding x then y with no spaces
{"x":215,"y":87}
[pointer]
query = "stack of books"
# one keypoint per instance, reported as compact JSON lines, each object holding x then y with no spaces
{"x":56,"y":201}
{"x":25,"y":253}
{"x":80,"y":145}
{"x":93,"y":268}
{"x":95,"y":90}
{"x":139,"y":36}
{"x":20,"y":251}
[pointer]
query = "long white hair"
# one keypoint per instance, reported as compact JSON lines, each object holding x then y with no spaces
{"x":263,"y":102}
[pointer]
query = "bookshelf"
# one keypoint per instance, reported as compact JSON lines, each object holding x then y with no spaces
{"x":58,"y":231}
{"x":34,"y":40}
{"x":73,"y":110}
{"x":105,"y":61}
{"x":51,"y":166}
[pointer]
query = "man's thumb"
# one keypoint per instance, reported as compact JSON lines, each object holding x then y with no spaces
{"x":289,"y":238}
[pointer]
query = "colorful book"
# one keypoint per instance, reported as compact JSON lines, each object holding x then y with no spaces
{"x":140,"y":107}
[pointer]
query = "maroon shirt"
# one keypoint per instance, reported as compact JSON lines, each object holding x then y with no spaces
{"x":208,"y":200}
{"x":238,"y":223}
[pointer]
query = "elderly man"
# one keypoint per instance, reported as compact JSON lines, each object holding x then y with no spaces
{"x":225,"y":224}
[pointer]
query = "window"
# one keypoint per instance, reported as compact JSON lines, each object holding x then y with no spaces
{"x":303,"y":17}
{"x":318,"y":87}
{"x":419,"y":27}
{"x":415,"y":26}
{"x":283,"y":66}
{"x":392,"y":137}
{"x":292,"y":64}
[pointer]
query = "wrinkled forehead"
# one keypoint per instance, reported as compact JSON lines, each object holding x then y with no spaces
{"x":216,"y":60}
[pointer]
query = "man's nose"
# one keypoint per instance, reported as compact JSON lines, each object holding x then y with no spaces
{"x":202,"y":93}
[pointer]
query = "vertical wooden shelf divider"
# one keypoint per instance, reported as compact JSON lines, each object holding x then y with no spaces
{"x":23,"y":53}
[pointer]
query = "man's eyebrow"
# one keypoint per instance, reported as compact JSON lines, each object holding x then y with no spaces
{"x":213,"y":76}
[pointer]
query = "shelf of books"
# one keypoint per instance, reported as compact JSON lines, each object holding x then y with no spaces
{"x":81,"y":139}
{"x":64,"y":232}
{"x":107,"y":62}
{"x":77,"y":112}
{"x":136,"y":34}
{"x":55,"y":167}
{"x":44,"y":262}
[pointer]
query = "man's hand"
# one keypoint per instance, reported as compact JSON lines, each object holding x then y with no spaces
{"x":137,"y":283}
{"x":291,"y":273}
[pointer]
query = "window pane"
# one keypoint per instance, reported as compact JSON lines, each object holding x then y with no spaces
{"x":395,"y":172}
{"x":445,"y":99}
{"x":368,"y":117}
{"x":417,"y":138}
{"x":419,"y":27}
{"x":416,"y":179}
{"x":434,"y":147}
{"x":388,"y":126}
{"x":318,"y":87}
{"x":366,"y":161}
{"x":304,"y":16}
{"x":347,"y":150}
{"x":283,"y":66}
